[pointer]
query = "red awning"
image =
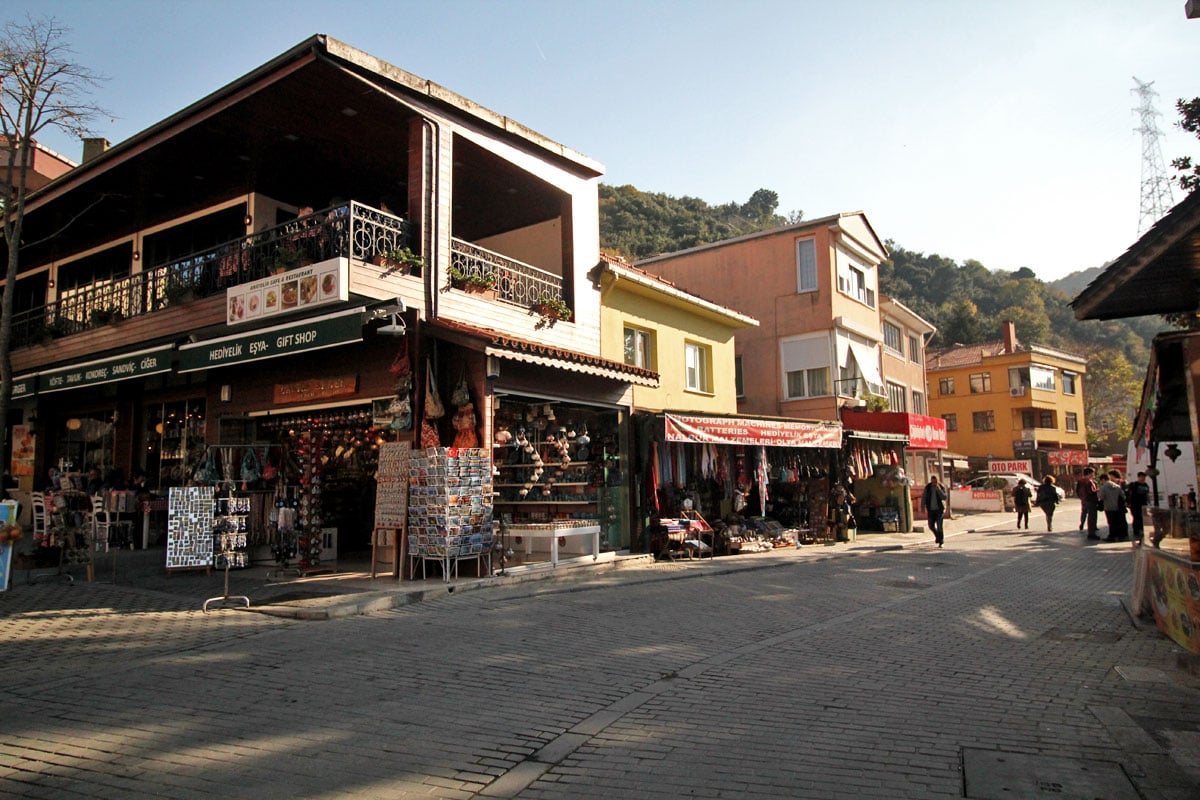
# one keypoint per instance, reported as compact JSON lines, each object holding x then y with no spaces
{"x":924,"y":433}
{"x":752,"y":431}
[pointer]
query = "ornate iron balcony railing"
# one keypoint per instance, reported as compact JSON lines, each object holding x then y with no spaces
{"x":516,"y":282}
{"x":351,"y":230}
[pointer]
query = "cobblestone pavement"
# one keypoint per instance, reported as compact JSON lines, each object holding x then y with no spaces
{"x":797,"y":675}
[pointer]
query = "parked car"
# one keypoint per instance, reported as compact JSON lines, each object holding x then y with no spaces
{"x":1010,"y":482}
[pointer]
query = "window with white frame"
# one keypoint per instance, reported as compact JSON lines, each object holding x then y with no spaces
{"x":855,"y":280}
{"x":806,"y":265}
{"x":1072,"y":420}
{"x":1069,"y":379}
{"x":914,"y":349}
{"x":639,"y":347}
{"x":893,"y":338}
{"x":806,"y":367}
{"x":896,"y":395}
{"x":697,"y":359}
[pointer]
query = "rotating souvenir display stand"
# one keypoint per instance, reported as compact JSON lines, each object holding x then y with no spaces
{"x":450,"y":509}
{"x":67,"y":528}
{"x":229,"y":543}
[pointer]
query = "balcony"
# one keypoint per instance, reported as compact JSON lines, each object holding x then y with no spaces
{"x":352,"y":230}
{"x":515,"y":282}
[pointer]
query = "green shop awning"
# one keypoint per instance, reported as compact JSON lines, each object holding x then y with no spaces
{"x":298,"y":336}
{"x":24,"y":386}
{"x":107,"y":370}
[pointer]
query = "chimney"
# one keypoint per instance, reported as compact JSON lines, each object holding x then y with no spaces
{"x":94,"y":147}
{"x":1010,"y":336}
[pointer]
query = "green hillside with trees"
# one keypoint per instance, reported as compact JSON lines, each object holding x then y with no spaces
{"x":967,"y":302}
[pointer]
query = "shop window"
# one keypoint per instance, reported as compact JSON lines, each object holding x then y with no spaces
{"x":85,"y":441}
{"x":951,"y":422}
{"x":1072,"y":420}
{"x":981,"y":383}
{"x":945,"y":386}
{"x":983,"y":421}
{"x":639,"y":347}
{"x":697,"y":367}
{"x":174,"y":442}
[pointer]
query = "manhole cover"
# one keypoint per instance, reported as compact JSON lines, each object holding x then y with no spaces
{"x":1097,"y":637}
{"x":992,"y":775}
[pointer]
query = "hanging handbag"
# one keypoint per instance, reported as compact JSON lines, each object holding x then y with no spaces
{"x":433,"y":404}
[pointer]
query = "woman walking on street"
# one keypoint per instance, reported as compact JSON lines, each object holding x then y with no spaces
{"x":1047,"y":500}
{"x":1022,"y":497}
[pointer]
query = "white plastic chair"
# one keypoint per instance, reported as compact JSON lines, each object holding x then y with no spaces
{"x":38,"y":506}
{"x":102,"y":522}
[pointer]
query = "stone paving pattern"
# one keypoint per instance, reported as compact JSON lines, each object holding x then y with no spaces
{"x":798,"y":673}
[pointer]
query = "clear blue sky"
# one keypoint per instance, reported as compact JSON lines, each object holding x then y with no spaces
{"x":997,"y":130}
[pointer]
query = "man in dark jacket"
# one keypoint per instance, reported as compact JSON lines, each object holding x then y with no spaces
{"x":934,"y":500}
{"x":1089,"y":502}
{"x":1138,"y":496}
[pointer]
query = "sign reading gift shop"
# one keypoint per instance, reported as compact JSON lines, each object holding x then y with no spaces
{"x":297,"y":289}
{"x":751,"y":431}
{"x":105,"y":370}
{"x":300,"y":336}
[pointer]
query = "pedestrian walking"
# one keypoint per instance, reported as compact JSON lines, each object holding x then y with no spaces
{"x":1047,"y":500}
{"x":1112,"y":499}
{"x":1089,"y":501}
{"x":1137,"y":494}
{"x":934,"y":499}
{"x":1022,"y":499}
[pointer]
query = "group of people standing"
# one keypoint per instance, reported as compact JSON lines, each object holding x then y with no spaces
{"x":1111,"y":495}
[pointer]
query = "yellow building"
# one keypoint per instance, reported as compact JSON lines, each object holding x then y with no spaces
{"x":649,"y":322}
{"x":1006,"y":401}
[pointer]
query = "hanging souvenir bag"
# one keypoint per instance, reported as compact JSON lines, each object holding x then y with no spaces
{"x":429,"y":435}
{"x":461,"y":395}
{"x":400,"y":364}
{"x":433,"y":404}
{"x":251,"y":466}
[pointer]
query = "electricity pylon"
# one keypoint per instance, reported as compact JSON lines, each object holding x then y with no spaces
{"x":1156,"y":186}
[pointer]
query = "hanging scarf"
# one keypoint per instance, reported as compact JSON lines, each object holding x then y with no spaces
{"x":762,"y":480}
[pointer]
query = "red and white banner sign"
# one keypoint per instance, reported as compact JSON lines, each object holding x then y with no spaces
{"x":740,"y":430}
{"x":1064,"y":458}
{"x":927,"y":432}
{"x":1024,"y":466}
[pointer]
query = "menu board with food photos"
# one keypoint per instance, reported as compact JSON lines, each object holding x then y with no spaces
{"x":190,"y":527}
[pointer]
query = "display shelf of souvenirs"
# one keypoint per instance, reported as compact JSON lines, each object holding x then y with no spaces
{"x":449,"y":507}
{"x":230,"y":529}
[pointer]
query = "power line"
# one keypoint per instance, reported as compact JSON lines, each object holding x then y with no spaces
{"x":1156,"y":186}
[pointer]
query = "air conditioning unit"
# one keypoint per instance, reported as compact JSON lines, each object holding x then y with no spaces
{"x":1017,"y":391}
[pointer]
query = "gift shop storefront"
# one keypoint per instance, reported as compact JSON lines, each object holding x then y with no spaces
{"x":740,"y":483}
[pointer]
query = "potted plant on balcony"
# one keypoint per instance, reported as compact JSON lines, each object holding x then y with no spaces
{"x":398,"y":261}
{"x":105,"y":316}
{"x":551,"y":307}
{"x":179,"y":290}
{"x":478,"y":283}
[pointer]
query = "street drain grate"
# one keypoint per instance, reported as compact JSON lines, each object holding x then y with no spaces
{"x":906,"y":585}
{"x":1095,"y":637}
{"x":992,"y":775}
